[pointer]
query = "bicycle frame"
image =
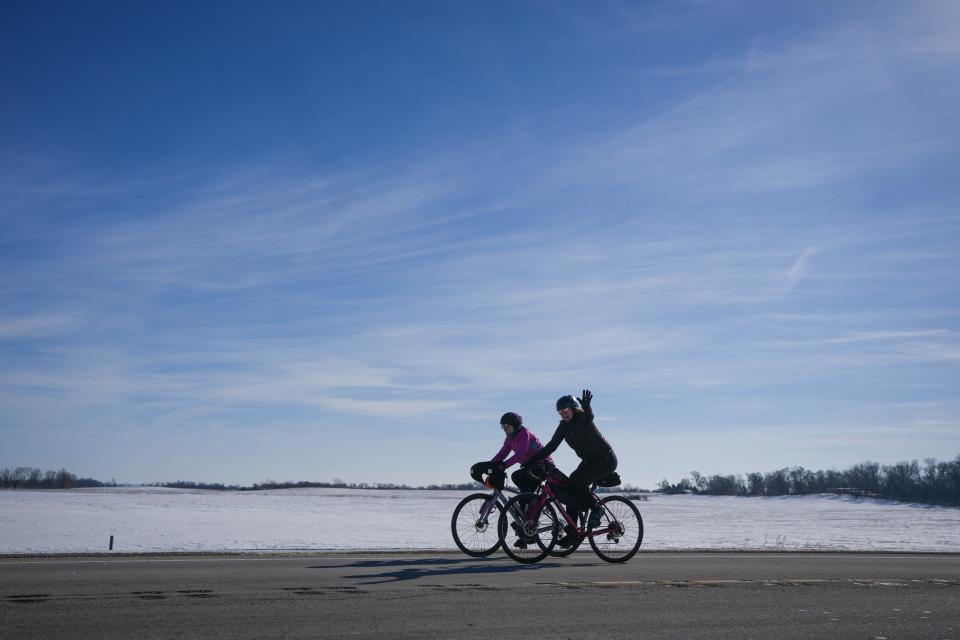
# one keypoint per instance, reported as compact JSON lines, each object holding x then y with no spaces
{"x":547,"y":495}
{"x":495,"y":498}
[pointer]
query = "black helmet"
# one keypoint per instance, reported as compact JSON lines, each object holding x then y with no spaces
{"x":513,"y":419}
{"x":566,"y":402}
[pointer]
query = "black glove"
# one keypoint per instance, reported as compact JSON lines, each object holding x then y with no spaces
{"x":585,"y":398}
{"x":533,"y":461}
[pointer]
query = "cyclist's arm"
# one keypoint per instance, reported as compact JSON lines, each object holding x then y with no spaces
{"x":549,"y":448}
{"x":520,"y":445}
{"x":504,"y":450}
{"x":587,"y":409}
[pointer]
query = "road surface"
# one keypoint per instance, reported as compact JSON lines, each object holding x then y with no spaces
{"x":446,"y":595}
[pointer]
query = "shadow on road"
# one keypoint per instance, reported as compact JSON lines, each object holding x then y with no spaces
{"x":401,"y":563}
{"x":417,"y":572}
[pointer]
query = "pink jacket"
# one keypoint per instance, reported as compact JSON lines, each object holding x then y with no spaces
{"x":524,"y":444}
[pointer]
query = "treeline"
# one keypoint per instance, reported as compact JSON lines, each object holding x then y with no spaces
{"x":336,"y":484}
{"x":339,"y":484}
{"x":621,"y":488}
{"x":30,"y":478}
{"x":932,"y":482}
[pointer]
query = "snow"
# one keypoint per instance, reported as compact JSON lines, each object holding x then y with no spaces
{"x":147,"y":519}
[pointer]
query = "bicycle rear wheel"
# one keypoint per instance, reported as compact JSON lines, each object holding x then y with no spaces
{"x":527,"y":540}
{"x":474,"y":525}
{"x":624,"y":530}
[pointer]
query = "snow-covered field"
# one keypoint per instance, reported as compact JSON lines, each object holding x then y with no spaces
{"x":152,"y":519}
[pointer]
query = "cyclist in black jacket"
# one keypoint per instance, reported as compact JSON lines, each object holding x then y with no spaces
{"x":596,"y":455}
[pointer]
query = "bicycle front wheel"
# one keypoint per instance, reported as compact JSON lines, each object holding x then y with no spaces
{"x":526,"y":538}
{"x":474,"y":524}
{"x":620,"y":532}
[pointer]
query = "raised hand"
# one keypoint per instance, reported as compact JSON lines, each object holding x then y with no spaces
{"x":585,"y":398}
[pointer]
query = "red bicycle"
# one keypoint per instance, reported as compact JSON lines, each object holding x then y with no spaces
{"x":532,"y":536}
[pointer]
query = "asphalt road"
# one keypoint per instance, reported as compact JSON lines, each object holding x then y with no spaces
{"x":445,"y":595}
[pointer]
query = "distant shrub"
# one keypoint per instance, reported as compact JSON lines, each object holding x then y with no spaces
{"x":932,"y":483}
{"x":31,"y":478}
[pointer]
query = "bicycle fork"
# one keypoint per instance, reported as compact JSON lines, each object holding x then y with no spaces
{"x":485,"y":511}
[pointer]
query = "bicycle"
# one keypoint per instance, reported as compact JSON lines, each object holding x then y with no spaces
{"x":615,"y":538}
{"x":470,"y":523}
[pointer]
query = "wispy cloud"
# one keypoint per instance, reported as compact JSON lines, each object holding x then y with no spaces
{"x":40,"y":325}
{"x":787,"y":121}
{"x":799,"y":268}
{"x":887,"y":335}
{"x":767,"y":228}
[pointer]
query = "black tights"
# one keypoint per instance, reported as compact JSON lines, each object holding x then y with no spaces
{"x":589,"y":470}
{"x":525,"y":480}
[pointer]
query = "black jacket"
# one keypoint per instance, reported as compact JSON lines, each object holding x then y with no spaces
{"x":582,"y":436}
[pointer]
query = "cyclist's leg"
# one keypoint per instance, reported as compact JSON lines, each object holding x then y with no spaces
{"x":589,"y":471}
{"x":523,"y":505}
{"x":524,"y":480}
{"x":519,"y":479}
{"x":572,"y":506}
{"x":580,"y":484}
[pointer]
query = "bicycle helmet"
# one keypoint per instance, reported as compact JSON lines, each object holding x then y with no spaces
{"x":513,"y":419}
{"x":566,"y":402}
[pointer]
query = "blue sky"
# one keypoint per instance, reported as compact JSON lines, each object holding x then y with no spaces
{"x":304,"y":241}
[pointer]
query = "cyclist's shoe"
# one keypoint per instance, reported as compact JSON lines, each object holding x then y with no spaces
{"x":568,"y":538}
{"x":520,"y":544}
{"x":522,"y":537}
{"x":596,"y":514}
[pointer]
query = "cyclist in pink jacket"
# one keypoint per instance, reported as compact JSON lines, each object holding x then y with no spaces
{"x":524,"y":444}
